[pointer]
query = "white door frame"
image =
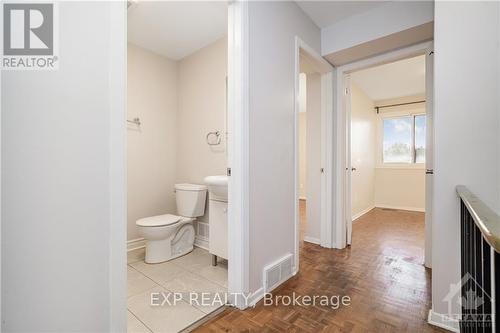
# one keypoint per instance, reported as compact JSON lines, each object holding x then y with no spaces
{"x":342,"y":141}
{"x":238,"y":152}
{"x":117,"y":228}
{"x":429,"y":153}
{"x":1,"y":325}
{"x":346,"y":93}
{"x":326,"y":70}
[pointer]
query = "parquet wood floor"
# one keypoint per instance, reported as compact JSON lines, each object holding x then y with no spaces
{"x":382,"y":272}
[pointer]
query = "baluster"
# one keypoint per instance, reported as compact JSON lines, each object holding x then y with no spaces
{"x":487,"y":284}
{"x":463,"y":257}
{"x":479,"y":248}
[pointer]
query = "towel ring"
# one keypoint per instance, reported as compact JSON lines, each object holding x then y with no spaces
{"x":210,"y":142}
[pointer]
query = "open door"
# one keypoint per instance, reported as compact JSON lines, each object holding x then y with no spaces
{"x":349,"y":168}
{"x":429,"y":153}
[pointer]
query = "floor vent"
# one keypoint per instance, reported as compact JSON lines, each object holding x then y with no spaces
{"x":277,"y":272}
{"x":202,"y":233}
{"x":202,"y":230}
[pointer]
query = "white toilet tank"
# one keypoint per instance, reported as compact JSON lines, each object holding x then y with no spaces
{"x":190,"y":199}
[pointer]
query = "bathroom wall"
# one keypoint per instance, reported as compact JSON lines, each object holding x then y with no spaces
{"x":202,"y":109}
{"x":178,"y":102}
{"x":151,"y":152}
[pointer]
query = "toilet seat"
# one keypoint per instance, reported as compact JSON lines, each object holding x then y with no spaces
{"x":159,"y":221}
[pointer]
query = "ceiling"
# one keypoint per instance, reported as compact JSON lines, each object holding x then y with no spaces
{"x":176,"y":29}
{"x":325,"y":13}
{"x":397,"y":79}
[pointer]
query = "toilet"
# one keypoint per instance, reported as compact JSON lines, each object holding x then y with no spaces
{"x":170,"y":236}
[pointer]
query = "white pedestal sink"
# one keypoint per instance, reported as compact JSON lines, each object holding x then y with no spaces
{"x":217,"y":216}
{"x":217,"y":187}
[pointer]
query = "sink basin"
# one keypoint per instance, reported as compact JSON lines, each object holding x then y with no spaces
{"x":217,"y":187}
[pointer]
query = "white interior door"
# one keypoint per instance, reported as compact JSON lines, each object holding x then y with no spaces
{"x":348,"y":164}
{"x":313,"y":157}
{"x":429,"y":153}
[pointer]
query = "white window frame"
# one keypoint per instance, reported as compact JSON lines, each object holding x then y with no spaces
{"x":380,"y":140}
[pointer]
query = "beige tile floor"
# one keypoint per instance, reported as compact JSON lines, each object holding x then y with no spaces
{"x":190,"y":273}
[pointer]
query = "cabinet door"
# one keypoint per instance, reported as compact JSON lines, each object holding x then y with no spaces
{"x":217,"y":220}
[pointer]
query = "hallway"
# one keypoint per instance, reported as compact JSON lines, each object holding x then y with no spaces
{"x":382,"y":272}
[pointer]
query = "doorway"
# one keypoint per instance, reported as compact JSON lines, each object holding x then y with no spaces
{"x":313,"y":109}
{"x":387,"y":110}
{"x":177,"y":159}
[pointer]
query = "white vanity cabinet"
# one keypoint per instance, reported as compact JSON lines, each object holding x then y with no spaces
{"x":217,"y":220}
{"x":217,"y":216}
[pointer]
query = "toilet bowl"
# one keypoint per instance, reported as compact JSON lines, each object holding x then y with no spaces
{"x":170,"y":236}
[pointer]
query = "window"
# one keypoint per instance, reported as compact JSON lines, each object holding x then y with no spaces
{"x":404,"y":139}
{"x":420,"y":139}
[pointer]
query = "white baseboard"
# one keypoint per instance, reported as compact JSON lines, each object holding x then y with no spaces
{"x":250,"y":301}
{"x":259,"y":294}
{"x":135,"y":244}
{"x":312,"y":240}
{"x":139,"y":243}
{"x":442,"y":321}
{"x":363,"y":212}
{"x":413,"y":209}
{"x":256,"y":296}
{"x":201,"y":242}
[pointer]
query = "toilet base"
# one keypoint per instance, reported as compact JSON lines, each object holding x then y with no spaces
{"x":158,"y":251}
{"x":156,"y":259}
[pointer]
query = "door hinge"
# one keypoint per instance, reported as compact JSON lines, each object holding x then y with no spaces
{"x":429,"y":171}
{"x":346,"y":91}
{"x":228,"y":172}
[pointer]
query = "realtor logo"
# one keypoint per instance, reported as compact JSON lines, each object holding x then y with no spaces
{"x":473,"y":303}
{"x":29,"y":36}
{"x":29,"y":29}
